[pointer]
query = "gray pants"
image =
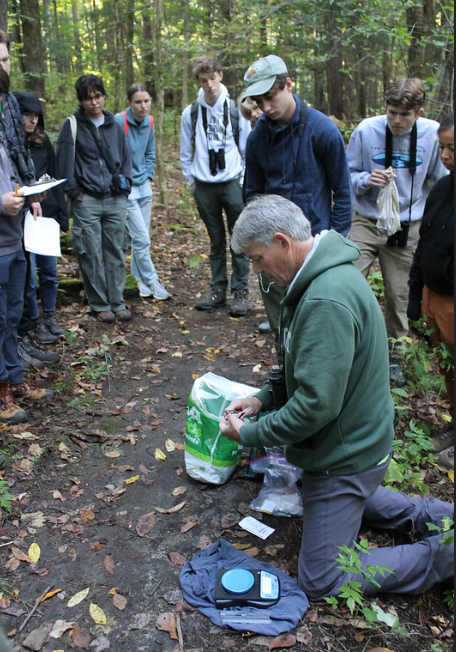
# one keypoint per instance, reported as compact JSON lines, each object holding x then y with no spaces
{"x":99,"y":240}
{"x":211,"y":199}
{"x":334,"y":507}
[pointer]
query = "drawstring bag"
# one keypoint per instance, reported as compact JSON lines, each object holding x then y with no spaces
{"x":209,"y":456}
{"x":388,"y":206}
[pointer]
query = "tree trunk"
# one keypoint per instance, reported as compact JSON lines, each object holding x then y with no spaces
{"x":160,"y":105}
{"x":148,"y":54}
{"x":32,"y":47}
{"x":4,"y":15}
{"x":77,"y":40}
{"x":185,"y":62}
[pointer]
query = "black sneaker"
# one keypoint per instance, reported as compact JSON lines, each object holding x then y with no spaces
{"x":444,"y":438}
{"x":26,"y":359}
{"x":42,"y":335}
{"x":35,"y":352}
{"x":240,"y":304}
{"x":215,"y":299}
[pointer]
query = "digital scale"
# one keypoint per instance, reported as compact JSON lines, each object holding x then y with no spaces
{"x":239,"y":587}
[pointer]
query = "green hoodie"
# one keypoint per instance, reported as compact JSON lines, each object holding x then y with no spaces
{"x":339,"y":415}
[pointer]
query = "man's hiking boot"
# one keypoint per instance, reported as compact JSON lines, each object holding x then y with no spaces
{"x":53,"y":326}
{"x":215,"y":299}
{"x":31,"y":393}
{"x":444,"y":438}
{"x":397,"y":377}
{"x":27,"y":360}
{"x":10,"y":411}
{"x":43,"y":335}
{"x":446,"y":458}
{"x":36,"y":352}
{"x":240,"y":304}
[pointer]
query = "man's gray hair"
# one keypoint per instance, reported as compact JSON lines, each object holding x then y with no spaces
{"x":263,"y":217}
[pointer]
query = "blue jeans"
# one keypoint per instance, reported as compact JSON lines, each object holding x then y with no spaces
{"x":13,"y":269}
{"x":334,"y":507}
{"x":47,"y":275}
{"x":138,"y":225}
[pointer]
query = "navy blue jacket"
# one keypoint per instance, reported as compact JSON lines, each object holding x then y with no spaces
{"x":311,"y":171}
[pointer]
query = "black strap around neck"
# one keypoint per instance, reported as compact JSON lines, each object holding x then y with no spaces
{"x":412,"y":151}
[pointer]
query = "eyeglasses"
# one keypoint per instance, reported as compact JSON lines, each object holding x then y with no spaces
{"x":95,"y":97}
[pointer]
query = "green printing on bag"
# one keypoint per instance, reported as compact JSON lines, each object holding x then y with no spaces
{"x":204,"y":441}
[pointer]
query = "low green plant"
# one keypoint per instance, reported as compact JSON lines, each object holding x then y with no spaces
{"x":375,"y":280}
{"x":6,"y":499}
{"x":413,"y":450}
{"x":418,"y":359}
{"x":351,"y":592}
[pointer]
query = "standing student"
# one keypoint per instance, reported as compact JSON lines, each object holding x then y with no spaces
{"x":33,"y":328}
{"x":213,"y":138}
{"x":298,"y":153}
{"x":404,"y":139}
{"x":431,"y":281}
{"x":138,"y":127}
{"x":92,"y":154}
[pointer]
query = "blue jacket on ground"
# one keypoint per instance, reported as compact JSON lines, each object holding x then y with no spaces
{"x":311,"y":170}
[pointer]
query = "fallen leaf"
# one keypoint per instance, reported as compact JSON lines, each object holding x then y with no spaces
{"x":119,"y":601}
{"x":171,"y":510}
{"x":177,"y":558}
{"x":166,"y":622}
{"x":179,"y":491}
{"x":145,"y":523}
{"x":58,"y":496}
{"x":21,"y":556}
{"x":285,"y":640}
{"x":170,"y":445}
{"x":50,"y":594}
{"x":134,"y":478}
{"x":159,"y":455}
{"x":109,"y":565}
{"x":98,"y":615}
{"x":34,"y":552}
{"x":78,"y":597}
{"x":189,"y":523}
{"x":303,"y":635}
{"x":59,"y":628}
{"x":81,"y":637}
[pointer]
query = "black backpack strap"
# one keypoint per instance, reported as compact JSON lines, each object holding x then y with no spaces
{"x":193,"y":118}
{"x":302,"y":118}
{"x":234,"y":117}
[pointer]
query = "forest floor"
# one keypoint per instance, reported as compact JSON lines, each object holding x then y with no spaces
{"x":99,"y":483}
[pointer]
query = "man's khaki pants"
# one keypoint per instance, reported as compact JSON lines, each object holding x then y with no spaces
{"x":395,"y":263}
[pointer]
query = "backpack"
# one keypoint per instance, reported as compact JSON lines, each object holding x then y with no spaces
{"x":234,"y":119}
{"x":127,"y":126}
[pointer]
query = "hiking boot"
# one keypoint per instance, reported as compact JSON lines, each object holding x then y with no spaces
{"x":444,"y":438}
{"x":106,"y":316}
{"x":123,"y":315}
{"x":36,"y":353}
{"x":240,"y":304}
{"x":215,"y":299}
{"x":42,"y":335}
{"x":26,"y":359}
{"x":10,"y":411}
{"x":397,"y":377}
{"x":446,"y":458}
{"x":53,"y":325}
{"x":159,"y":292}
{"x":144,"y":290}
{"x":30,"y":392}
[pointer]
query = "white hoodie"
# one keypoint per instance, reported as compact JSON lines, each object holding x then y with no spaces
{"x":197,"y":166}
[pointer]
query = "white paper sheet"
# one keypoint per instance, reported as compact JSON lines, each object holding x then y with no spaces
{"x":42,"y":236}
{"x":40,"y":187}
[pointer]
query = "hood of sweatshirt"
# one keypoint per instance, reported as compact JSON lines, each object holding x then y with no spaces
{"x":220,"y":100}
{"x":333,"y":250}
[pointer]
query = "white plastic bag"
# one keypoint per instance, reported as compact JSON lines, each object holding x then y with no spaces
{"x":388,"y":206}
{"x":209,"y":456}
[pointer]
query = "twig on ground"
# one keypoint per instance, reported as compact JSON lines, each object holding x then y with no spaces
{"x":35,"y":607}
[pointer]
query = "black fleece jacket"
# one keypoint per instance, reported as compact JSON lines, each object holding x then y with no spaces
{"x":433,"y":263}
{"x":100,"y":154}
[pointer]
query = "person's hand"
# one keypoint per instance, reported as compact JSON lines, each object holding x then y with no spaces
{"x":414,"y":309}
{"x":35,"y":209}
{"x":37,"y":197}
{"x":12,"y":203}
{"x":379,"y":178}
{"x":230,"y":427}
{"x":248,"y":407}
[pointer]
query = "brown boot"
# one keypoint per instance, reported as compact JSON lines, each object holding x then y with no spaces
{"x":30,"y":392}
{"x":10,"y":411}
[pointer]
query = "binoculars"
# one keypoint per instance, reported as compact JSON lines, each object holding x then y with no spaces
{"x":216,"y":160}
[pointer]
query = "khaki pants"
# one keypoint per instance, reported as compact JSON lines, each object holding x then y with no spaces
{"x":395,"y":263}
{"x":438,"y":311}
